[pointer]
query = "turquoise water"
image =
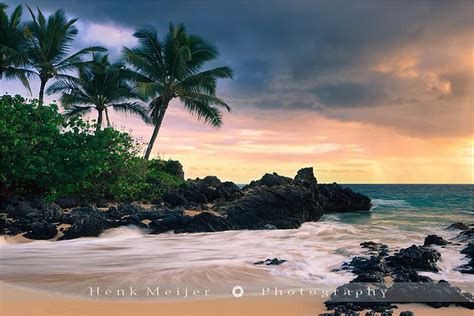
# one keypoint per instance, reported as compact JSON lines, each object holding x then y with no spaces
{"x":414,"y":207}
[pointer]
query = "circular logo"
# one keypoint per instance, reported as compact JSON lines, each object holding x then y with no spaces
{"x":238,"y":291}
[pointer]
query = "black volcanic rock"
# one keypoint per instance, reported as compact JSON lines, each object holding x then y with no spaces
{"x":419,"y":258}
{"x":284,"y":206}
{"x":205,"y":222}
{"x":375,"y":248}
{"x":435,"y":240}
{"x":305,"y":177}
{"x":269,"y":180}
{"x":21,"y":210}
{"x":42,"y":230}
{"x":336,"y":199}
{"x":459,"y":226}
{"x":407,"y":287}
{"x":173,"y":221}
{"x":174,"y":198}
{"x":85,"y":222}
{"x":272,"y":201}
{"x":469,"y":252}
{"x":271,"y":262}
{"x":68,"y":201}
{"x":229,"y":191}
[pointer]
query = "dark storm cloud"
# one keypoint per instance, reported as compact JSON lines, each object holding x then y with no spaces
{"x":348,"y":94}
{"x":298,"y":54}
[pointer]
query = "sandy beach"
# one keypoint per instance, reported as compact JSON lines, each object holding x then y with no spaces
{"x":20,"y":302}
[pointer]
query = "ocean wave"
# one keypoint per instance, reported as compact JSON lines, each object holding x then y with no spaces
{"x":382,"y":203}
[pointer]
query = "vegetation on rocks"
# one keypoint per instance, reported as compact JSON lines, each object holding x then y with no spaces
{"x":44,"y":154}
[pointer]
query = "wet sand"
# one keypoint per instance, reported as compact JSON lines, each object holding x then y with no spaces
{"x":20,"y":302}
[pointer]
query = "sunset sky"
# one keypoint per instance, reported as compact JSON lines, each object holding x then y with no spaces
{"x":364,"y":91}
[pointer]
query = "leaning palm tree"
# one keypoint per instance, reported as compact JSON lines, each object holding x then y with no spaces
{"x":49,"y":41}
{"x":171,"y":68}
{"x":12,"y":46}
{"x":99,"y":86}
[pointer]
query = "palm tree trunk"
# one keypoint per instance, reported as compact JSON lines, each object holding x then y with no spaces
{"x":41,"y":91}
{"x":99,"y":121}
{"x":107,"y":117}
{"x":159,"y":120}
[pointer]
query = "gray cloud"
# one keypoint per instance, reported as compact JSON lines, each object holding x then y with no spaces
{"x":311,"y":55}
{"x":348,"y":94}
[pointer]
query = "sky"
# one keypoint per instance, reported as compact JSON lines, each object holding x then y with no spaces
{"x":363,"y":91}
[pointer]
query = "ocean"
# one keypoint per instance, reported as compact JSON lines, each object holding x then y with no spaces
{"x":402,"y":215}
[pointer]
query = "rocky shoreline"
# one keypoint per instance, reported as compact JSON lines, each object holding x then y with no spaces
{"x":272,"y":202}
{"x":200,"y":205}
{"x":398,"y":276}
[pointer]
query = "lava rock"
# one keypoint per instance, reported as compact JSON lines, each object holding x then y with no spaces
{"x":52,"y":213}
{"x":435,"y":240}
{"x":21,"y":210}
{"x":101,"y":203}
{"x":42,"y":230}
{"x":269,"y":180}
{"x":466,"y":235}
{"x":336,"y":199}
{"x":122,"y":210}
{"x":174,"y":198}
{"x":407,"y":313}
{"x":284,"y":206}
{"x":211,"y":181}
{"x":459,"y":226}
{"x":171,"y":222}
{"x":364,"y":265}
{"x":375,"y":248}
{"x":419,"y":258}
{"x":85,"y":222}
{"x":469,"y":252}
{"x":205,"y":222}
{"x":407,"y":275}
{"x":229,"y":191}
{"x":305,"y":177}
{"x":271,"y":262}
{"x":68,"y":201}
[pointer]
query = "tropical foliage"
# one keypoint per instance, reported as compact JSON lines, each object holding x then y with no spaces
{"x":172,"y":68}
{"x":48,"y":43}
{"x":99,"y":85}
{"x":43,"y":154}
{"x":12,"y":46}
{"x":48,"y":153}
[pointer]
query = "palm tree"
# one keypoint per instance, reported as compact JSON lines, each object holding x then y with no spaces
{"x":12,"y":46}
{"x":171,"y":68}
{"x":49,"y":41}
{"x":100,"y":85}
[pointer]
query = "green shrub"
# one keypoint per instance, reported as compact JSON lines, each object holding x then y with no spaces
{"x":42,"y":154}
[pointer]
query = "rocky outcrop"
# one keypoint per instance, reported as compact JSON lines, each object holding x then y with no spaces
{"x":458,"y":226}
{"x":42,"y":230}
{"x":273,"y":202}
{"x":269,"y":180}
{"x":419,"y":258}
{"x":336,"y":199}
{"x":284,"y":207}
{"x":270,"y":262}
{"x":85,"y":222}
{"x":469,"y":252}
{"x":407,"y":285}
{"x":435,"y":240}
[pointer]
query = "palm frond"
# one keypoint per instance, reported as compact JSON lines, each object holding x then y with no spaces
{"x":204,"y":112}
{"x":76,"y":111}
{"x":134,"y":109}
